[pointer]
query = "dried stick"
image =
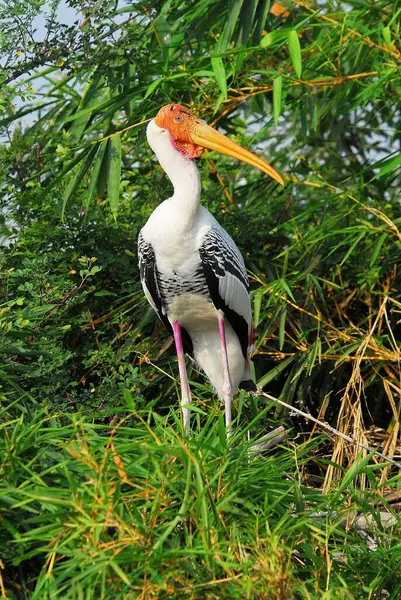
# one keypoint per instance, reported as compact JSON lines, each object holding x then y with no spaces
{"x":328,"y":427}
{"x":273,"y":438}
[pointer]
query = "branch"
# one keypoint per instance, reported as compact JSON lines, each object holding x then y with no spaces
{"x":328,"y":427}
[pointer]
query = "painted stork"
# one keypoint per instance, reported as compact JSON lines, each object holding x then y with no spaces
{"x":192,"y":273}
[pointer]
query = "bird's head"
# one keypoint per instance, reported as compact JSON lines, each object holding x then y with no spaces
{"x":191,"y":136}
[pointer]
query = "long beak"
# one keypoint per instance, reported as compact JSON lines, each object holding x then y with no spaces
{"x":206,"y":136}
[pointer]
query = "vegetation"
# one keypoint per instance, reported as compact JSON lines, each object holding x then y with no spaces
{"x":101,"y":495}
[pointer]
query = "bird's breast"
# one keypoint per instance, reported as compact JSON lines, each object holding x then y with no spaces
{"x":182,"y":279}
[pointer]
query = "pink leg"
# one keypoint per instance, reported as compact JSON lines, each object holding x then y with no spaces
{"x":185,"y":391}
{"x":227,"y":388}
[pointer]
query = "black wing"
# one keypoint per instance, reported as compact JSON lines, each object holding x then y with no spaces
{"x":227,"y":281}
{"x":150,"y":282}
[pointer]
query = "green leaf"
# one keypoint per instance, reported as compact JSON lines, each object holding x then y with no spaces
{"x":277,"y":88}
{"x":256,"y":307}
{"x":266,"y":40}
{"x":275,"y":38}
{"x":273,"y":373}
{"x":220,"y":74}
{"x":114,"y":173}
{"x":387,"y":36}
{"x":377,"y":248}
{"x":262,"y":13}
{"x":118,"y":570}
{"x":295,"y":51}
{"x":246,"y":22}
{"x":151,"y":88}
{"x":353,"y":471}
{"x":281,"y":330}
{"x":95,"y":172}
{"x":88,"y":99}
{"x":76,"y":180}
{"x":390,"y":165}
{"x":231,"y":20}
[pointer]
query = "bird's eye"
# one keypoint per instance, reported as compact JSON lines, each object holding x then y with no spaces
{"x":178,"y":119}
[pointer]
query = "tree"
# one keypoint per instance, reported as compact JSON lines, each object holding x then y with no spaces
{"x":314,"y":86}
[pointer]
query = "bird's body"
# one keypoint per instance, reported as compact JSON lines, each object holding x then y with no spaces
{"x":192,"y":273}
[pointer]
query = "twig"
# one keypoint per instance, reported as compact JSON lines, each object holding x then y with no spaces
{"x":358,"y":521}
{"x":273,"y":438}
{"x":328,"y":427}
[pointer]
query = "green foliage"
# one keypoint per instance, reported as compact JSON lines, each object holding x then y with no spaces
{"x":98,"y":487}
{"x":102,"y":512}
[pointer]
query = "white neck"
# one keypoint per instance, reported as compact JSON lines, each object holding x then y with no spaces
{"x":181,"y":171}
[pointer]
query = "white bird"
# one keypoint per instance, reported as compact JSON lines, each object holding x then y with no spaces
{"x":192,"y":273}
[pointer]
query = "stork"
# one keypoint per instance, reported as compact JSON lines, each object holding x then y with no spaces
{"x":192,"y":273}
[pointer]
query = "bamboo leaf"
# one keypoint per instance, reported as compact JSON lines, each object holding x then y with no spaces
{"x":353,"y":471}
{"x":387,"y":36}
{"x":88,"y":98}
{"x":151,"y":88}
{"x":114,"y":173}
{"x":295,"y":51}
{"x":352,"y":247}
{"x":95,"y":172}
{"x":76,"y":180}
{"x":256,"y":307}
{"x":266,"y":40}
{"x":273,"y":373}
{"x":229,"y":26}
{"x":389,"y":165}
{"x":377,"y":248}
{"x":277,"y":88}
{"x":275,"y":38}
{"x":220,"y":74}
{"x":118,"y":570}
{"x":246,"y":21}
{"x":281,"y":330}
{"x":261,"y":18}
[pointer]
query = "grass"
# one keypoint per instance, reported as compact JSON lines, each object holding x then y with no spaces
{"x":133,"y":510}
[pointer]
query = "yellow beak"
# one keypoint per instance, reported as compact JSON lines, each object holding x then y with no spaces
{"x":206,"y":136}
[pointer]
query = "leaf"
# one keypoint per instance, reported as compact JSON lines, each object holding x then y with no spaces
{"x":246,"y":21}
{"x":277,"y":87}
{"x":275,"y":38}
{"x":353,"y":471}
{"x":76,"y":180}
{"x":390,"y":165}
{"x":114,"y":173}
{"x":281,"y":330}
{"x":377,"y":248}
{"x":95,"y":172}
{"x":262,"y":13}
{"x":352,"y":247}
{"x":152,"y":87}
{"x":273,"y":373}
{"x":220,"y":74}
{"x":118,"y":570}
{"x":88,"y":98}
{"x":295,"y":51}
{"x":229,"y":26}
{"x":387,"y":36}
{"x":256,"y":307}
{"x":266,"y":40}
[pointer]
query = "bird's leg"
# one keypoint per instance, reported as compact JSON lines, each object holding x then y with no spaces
{"x":227,"y":387}
{"x":185,"y":391}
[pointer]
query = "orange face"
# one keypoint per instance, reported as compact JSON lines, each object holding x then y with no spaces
{"x":180,"y":122}
{"x":191,"y":136}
